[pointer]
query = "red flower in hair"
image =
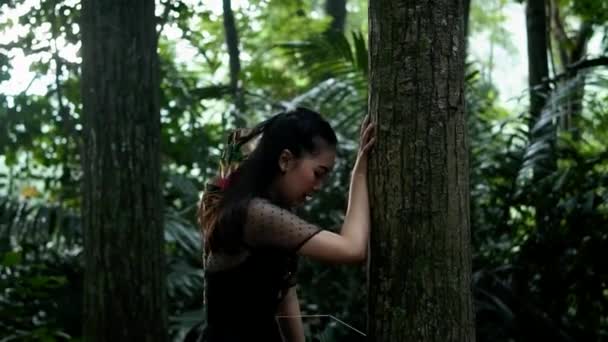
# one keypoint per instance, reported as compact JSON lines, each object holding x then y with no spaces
{"x":224,"y":182}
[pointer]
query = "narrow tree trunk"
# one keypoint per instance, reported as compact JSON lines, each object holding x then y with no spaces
{"x":124,"y":296}
{"x":232,"y":43}
{"x":538,"y":65}
{"x":420,"y":260}
{"x":337,"y":10}
{"x":538,"y":74}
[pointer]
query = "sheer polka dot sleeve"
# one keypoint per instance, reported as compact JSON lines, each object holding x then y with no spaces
{"x":268,"y":225}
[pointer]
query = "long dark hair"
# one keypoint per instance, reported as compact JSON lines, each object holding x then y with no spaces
{"x":223,"y":207}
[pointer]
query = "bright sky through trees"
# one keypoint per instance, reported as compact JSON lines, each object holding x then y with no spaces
{"x":509,"y":70}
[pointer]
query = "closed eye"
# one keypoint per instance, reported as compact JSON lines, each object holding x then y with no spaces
{"x":320,"y":174}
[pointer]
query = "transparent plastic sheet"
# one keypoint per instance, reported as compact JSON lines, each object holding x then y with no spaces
{"x":325,"y":328}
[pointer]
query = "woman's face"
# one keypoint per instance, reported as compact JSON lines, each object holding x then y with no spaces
{"x":304,"y":176}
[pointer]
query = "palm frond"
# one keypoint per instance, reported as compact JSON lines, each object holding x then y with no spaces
{"x":330,"y":54}
{"x":338,"y":68}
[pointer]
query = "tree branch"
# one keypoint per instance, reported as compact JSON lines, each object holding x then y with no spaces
{"x":580,"y":65}
{"x":588,"y":63}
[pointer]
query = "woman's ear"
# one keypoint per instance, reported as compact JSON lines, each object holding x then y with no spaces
{"x":285,"y":160}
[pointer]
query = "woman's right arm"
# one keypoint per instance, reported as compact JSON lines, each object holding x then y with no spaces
{"x":350,"y":245}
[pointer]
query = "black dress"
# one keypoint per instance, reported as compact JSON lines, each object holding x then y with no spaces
{"x":243,"y":290}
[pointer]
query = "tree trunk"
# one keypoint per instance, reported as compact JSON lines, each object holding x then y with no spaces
{"x":337,"y":10}
{"x":125,"y":289}
{"x":544,"y":135}
{"x":420,"y":261}
{"x":232,"y":43}
{"x":538,"y":65}
{"x":538,"y":74}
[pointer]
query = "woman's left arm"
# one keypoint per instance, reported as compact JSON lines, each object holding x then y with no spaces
{"x":291,"y":326}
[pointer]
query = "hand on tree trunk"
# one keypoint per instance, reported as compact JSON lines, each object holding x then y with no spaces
{"x":366,"y":142}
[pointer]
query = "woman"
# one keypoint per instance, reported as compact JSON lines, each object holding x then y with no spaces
{"x":252,"y":239}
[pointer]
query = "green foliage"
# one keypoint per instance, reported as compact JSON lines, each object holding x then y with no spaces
{"x":39,"y":133}
{"x":39,"y":273}
{"x":594,"y":11}
{"x":530,"y":282}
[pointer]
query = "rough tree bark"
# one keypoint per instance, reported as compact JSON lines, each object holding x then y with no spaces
{"x":420,"y":260}
{"x":124,"y":297}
